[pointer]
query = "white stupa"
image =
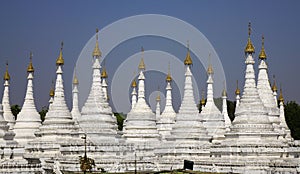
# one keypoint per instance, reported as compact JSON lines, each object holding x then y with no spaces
{"x":264,"y":89}
{"x":213,"y":120}
{"x":283,"y":126}
{"x":133,"y":94}
{"x":167,"y":118}
{"x":75,"y":109}
{"x":97,"y":119}
{"x":58,"y":127}
{"x":188,"y":132}
{"x":237,"y":95}
{"x":140,"y":124}
{"x":28,"y":120}
{"x":188,"y":127}
{"x":251,"y":124}
{"x":227,"y":120}
{"x":7,"y":114}
{"x":104,"y":85}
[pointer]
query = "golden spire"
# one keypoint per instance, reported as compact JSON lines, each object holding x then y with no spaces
{"x":30,"y":68}
{"x":237,"y":91}
{"x":51,"y":93}
{"x":249,"y":47}
{"x":274,"y":87}
{"x":202,"y":101}
{"x":75,"y":80}
{"x":262,"y":54}
{"x":6,"y":74}
{"x":224,"y":93}
{"x":142,"y":63}
{"x":158,"y":95}
{"x":97,"y":52}
{"x":133,"y":84}
{"x":188,"y":59}
{"x":169,"y":78}
{"x":209,"y":69}
{"x":60,"y":59}
{"x":104,"y":73}
{"x":281,"y":99}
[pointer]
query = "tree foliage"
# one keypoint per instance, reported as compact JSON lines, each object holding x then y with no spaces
{"x":120,"y":120}
{"x":292,"y":117}
{"x":43,"y":113}
{"x":15,"y":109}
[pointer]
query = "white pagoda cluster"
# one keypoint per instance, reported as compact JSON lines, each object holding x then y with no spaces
{"x":258,"y":140}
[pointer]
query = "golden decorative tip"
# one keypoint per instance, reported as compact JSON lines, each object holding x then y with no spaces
{"x":281,"y":99}
{"x":202,"y":101}
{"x":209,"y":68}
{"x":142,"y":63}
{"x":133,"y":84}
{"x":97,"y":52}
{"x":249,"y":47}
{"x":75,"y":80}
{"x":30,"y":68}
{"x":158,"y":95}
{"x":51,"y":93}
{"x":237,"y":91}
{"x":188,"y":59}
{"x":224,"y":93}
{"x":104,"y":73}
{"x":262,"y":54}
{"x":60,"y":59}
{"x":169,"y":78}
{"x":274,"y":87}
{"x":6,"y":74}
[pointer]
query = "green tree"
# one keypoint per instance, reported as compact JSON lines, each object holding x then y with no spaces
{"x":15,"y":109}
{"x":43,"y":113}
{"x":120,"y":120}
{"x":231,"y":109}
{"x":292,"y":117}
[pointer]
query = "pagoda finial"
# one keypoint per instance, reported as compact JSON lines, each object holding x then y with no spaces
{"x":237,"y":91}
{"x":142,"y":63}
{"x":262,"y":54}
{"x":202,"y":101}
{"x":75,"y":80}
{"x":30,"y":68}
{"x":133,"y":84}
{"x":169,"y":78}
{"x":158,"y":95}
{"x":281,"y":99}
{"x":274,"y":87}
{"x":97,"y":52}
{"x":224,"y":93}
{"x":60,"y":59}
{"x":249,"y":47}
{"x":209,"y":69}
{"x":104,"y":74}
{"x":51,"y":93}
{"x":188,"y":60}
{"x":6,"y":74}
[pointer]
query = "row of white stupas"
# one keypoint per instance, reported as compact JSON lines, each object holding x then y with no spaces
{"x":258,"y":140}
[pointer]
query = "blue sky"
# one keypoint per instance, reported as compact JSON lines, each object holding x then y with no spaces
{"x":40,"y":26}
